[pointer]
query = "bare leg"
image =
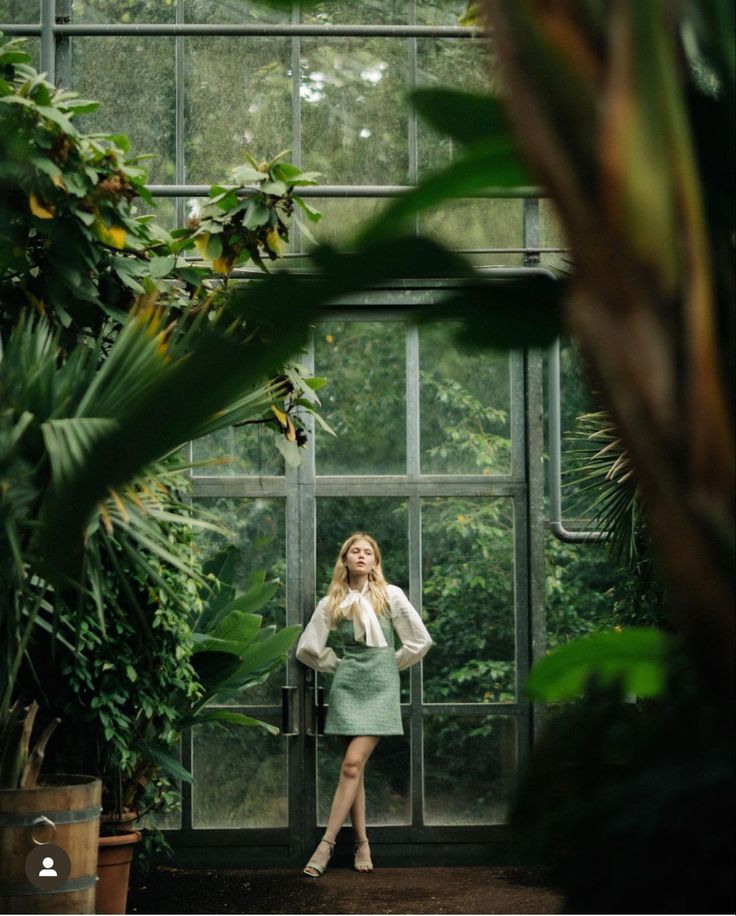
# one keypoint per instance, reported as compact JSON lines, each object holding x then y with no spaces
{"x":362,"y":861}
{"x":346,"y":795}
{"x":357,"y":812}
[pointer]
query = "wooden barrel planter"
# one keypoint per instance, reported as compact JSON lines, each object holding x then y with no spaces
{"x":63,"y":811}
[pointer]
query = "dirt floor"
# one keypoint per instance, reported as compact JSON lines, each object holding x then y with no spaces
{"x":342,"y":890}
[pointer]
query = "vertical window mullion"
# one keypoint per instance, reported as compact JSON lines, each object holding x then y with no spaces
{"x":295,"y":235}
{"x":180,"y":123}
{"x":413,"y":129}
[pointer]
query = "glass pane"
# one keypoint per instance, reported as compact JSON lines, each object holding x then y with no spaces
{"x":133,"y":77}
{"x":240,"y":778}
{"x":387,"y":780}
{"x":441,"y":12}
{"x":387,"y":521}
{"x":465,"y":403}
{"x":580,"y":581}
{"x":354,"y":112}
{"x":258,"y":528}
{"x":365,"y":399}
{"x":225,"y":11}
{"x":452,"y":62}
{"x":479,"y":223}
{"x":238,"y":100}
{"x":576,"y":399}
{"x":384,"y":519}
{"x":363,"y":12}
{"x":341,"y":217}
{"x":468,"y":599}
{"x":549,"y":223}
{"x":246,"y":450}
{"x":124,"y":11}
{"x":20,"y":12}
{"x":469,"y":769}
{"x":164,"y":209}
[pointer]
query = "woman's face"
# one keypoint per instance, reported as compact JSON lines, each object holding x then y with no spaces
{"x":360,"y":558}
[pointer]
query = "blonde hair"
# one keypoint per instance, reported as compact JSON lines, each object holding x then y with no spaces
{"x":340,"y":584}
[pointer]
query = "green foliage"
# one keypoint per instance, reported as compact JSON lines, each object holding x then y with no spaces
{"x":248,"y":220}
{"x":489,"y":158}
{"x":125,"y":688}
{"x":73,"y":247}
{"x":631,"y":801}
{"x":502,"y":315}
{"x":89,"y":505}
{"x":634,"y":659}
{"x":68,"y":238}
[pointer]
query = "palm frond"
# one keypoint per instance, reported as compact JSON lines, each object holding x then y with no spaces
{"x":602,"y":483}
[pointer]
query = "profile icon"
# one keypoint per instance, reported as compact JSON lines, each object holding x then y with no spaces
{"x":48,"y":867}
{"x":48,"y":870}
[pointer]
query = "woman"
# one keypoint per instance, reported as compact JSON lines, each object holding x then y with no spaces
{"x":364,"y":697}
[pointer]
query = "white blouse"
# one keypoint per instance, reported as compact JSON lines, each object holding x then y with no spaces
{"x":312,"y":647}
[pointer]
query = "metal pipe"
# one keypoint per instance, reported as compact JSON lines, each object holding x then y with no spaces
{"x":554,"y":435}
{"x":287,"y":30}
{"x":344,"y":190}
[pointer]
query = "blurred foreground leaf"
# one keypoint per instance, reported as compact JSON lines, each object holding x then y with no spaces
{"x":635,"y":658}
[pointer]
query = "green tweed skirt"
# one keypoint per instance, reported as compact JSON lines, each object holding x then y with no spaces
{"x":364,"y":696}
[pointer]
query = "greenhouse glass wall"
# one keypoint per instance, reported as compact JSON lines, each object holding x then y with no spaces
{"x":438,"y":450}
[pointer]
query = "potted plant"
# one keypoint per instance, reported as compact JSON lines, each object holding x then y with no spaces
{"x":143,"y":678}
{"x":90,"y":388}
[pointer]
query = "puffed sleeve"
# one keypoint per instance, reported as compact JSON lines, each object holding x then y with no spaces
{"x":311,"y":649}
{"x":416,"y":641}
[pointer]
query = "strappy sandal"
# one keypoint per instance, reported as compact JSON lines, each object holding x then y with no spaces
{"x":363,"y":865}
{"x":316,"y":866}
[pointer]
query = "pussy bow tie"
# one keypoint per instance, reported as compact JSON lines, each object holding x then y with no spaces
{"x":366,"y":627}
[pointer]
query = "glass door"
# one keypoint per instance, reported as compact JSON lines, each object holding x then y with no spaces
{"x":431,"y":457}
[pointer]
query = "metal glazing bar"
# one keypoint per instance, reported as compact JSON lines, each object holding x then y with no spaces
{"x":346,"y":190}
{"x":414,"y":534}
{"x":517,"y":407}
{"x":305,"y":254}
{"x":179,"y":126}
{"x":473,"y":709}
{"x":48,"y":44}
{"x":295,"y":233}
{"x":255,"y":29}
{"x":413,"y":123}
{"x":287,"y":30}
{"x":555,"y":458}
{"x":531,"y":233}
{"x":63,"y":58}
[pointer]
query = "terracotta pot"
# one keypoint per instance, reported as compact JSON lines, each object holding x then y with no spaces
{"x":113,"y":871}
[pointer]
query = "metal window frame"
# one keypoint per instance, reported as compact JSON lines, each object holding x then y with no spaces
{"x":301,"y":487}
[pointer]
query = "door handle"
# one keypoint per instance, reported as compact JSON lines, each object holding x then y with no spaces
{"x":315,"y":711}
{"x":289,"y":721}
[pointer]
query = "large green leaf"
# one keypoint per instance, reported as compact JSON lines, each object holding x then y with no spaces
{"x":635,"y":658}
{"x":206,"y":368}
{"x":215,"y":668}
{"x":230,"y":718}
{"x":239,"y":627}
{"x":465,"y":116}
{"x":488,"y":167}
{"x":503,"y":314}
{"x":254,"y":599}
{"x":262,"y":653}
{"x":168,"y":763}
